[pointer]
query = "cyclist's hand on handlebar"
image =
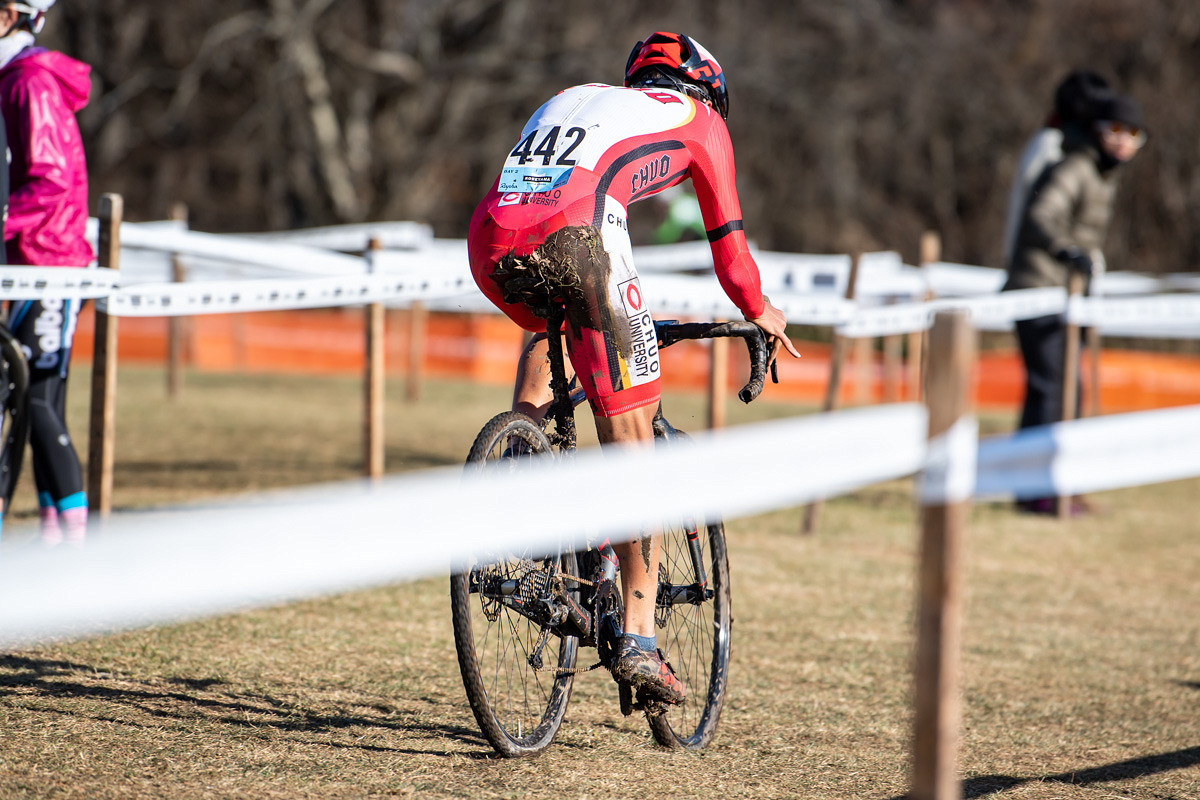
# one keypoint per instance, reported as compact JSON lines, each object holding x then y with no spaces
{"x":774,"y":325}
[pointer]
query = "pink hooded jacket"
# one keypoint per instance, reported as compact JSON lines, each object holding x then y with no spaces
{"x":40,"y":91}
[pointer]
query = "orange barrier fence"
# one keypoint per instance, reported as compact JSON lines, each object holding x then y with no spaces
{"x":483,"y":347}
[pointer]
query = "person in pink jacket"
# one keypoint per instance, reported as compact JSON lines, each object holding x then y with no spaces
{"x":40,"y":91}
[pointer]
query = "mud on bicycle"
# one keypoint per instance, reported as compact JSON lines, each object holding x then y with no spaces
{"x":521,"y":618}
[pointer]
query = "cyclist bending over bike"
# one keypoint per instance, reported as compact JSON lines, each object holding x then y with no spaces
{"x":553,"y":229}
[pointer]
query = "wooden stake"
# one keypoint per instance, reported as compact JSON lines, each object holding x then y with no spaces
{"x":837,"y":354}
{"x":1094,"y":348}
{"x":862,"y":355}
{"x":1070,"y":379}
{"x":373,"y":379}
{"x":176,"y":326}
{"x":939,"y":607}
{"x":102,"y":418}
{"x":416,"y":348}
{"x":931,"y":252}
{"x":893,"y":368}
{"x":718,"y":379}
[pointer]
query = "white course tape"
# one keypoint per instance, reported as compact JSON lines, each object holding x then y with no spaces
{"x":986,"y":311}
{"x":37,"y":283}
{"x":1160,"y":311}
{"x":949,"y":474}
{"x":148,"y":568}
{"x":888,"y":320}
{"x":1092,"y":455}
{"x":947,"y":279}
{"x":241,"y":250}
{"x":701,"y":295}
{"x":681,"y":257}
{"x":355,"y":236}
{"x":220,"y":297}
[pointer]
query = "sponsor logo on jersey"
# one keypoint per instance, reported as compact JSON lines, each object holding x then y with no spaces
{"x":649,"y":172}
{"x":545,"y":198}
{"x":510,"y":199}
{"x":533,"y":179}
{"x":642,"y":359}
{"x":48,"y":327}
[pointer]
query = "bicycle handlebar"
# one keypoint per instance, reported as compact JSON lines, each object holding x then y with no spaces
{"x":669,"y":332}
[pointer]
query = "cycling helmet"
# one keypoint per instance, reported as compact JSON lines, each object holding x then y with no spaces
{"x":683,"y":64}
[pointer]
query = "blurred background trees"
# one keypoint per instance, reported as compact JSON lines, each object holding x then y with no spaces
{"x":856,"y":124}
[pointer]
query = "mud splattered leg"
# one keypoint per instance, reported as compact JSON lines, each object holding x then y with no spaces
{"x":639,"y":558}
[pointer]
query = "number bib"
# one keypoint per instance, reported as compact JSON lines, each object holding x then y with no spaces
{"x":533,"y":179}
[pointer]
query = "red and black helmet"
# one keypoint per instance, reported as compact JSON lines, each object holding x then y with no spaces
{"x":684,"y":59}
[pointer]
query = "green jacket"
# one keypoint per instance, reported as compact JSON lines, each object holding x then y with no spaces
{"x":1069,"y":204}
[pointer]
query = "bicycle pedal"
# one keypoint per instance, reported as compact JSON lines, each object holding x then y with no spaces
{"x":649,"y":705}
{"x":626,"y":695}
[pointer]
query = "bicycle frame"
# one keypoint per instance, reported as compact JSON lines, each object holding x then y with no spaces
{"x":530,"y":608}
{"x":555,"y":609}
{"x":668,"y":332}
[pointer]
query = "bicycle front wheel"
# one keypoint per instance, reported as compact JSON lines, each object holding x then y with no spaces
{"x":517,"y":672}
{"x":696,"y":620}
{"x":14,"y":414}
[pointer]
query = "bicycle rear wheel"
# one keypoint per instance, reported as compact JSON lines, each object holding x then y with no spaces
{"x":14,"y":414}
{"x":497,"y":628}
{"x":694,"y":619}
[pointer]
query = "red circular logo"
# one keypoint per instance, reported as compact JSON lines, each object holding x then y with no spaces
{"x":634,"y":297}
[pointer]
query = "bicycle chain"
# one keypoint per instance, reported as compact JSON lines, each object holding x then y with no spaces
{"x":560,"y":672}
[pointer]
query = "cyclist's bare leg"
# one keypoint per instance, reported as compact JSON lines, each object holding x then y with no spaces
{"x":639,"y":558}
{"x":531,"y":392}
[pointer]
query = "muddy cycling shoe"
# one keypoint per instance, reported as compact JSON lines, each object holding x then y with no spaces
{"x":647,"y":673}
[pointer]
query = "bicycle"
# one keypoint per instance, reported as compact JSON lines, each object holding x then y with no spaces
{"x":14,"y":413}
{"x":519,"y":620}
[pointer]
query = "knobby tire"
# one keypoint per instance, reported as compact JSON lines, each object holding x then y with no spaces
{"x":695,"y":637}
{"x":519,"y":709}
{"x":14,"y":414}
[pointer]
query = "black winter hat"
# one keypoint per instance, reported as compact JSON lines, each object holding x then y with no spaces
{"x":1079,"y":94}
{"x":1121,"y":108}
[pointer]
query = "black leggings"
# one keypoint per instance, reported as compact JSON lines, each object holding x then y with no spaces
{"x":45,"y":330}
{"x":1043,"y":347}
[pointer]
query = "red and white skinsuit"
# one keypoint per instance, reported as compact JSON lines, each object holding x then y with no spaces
{"x":581,"y":160}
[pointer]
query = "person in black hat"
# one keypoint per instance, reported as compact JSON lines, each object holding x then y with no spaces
{"x":1062,"y":229}
{"x":1075,"y":104}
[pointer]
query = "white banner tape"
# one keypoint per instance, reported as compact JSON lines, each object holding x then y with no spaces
{"x":1092,"y":455}
{"x":242,"y":250}
{"x":155,"y":567}
{"x":1160,"y":311}
{"x":354,"y":237}
{"x":949,"y":474}
{"x":179,"y":299}
{"x":985,"y":311}
{"x":37,"y":283}
{"x":151,"y":567}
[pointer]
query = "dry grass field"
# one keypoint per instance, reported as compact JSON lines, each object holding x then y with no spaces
{"x":1081,"y":673}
